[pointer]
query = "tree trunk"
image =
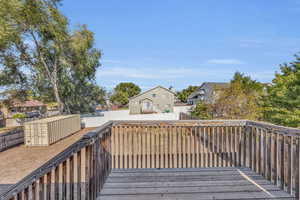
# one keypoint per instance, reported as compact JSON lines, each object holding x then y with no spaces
{"x":57,"y":97}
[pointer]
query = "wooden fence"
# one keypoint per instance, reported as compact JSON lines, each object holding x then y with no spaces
{"x":80,"y":171}
{"x":11,"y":138}
{"x":176,"y":145}
{"x":185,"y":116}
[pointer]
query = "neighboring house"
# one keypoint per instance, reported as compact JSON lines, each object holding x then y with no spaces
{"x":29,"y":106}
{"x":208,"y":92}
{"x":24,"y":107}
{"x":156,"y":100}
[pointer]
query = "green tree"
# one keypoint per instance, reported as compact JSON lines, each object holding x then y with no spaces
{"x":240,"y":100}
{"x":35,"y":38}
{"x":281,"y":105}
{"x":90,"y":96}
{"x":185,"y":93}
{"x":202,"y":111}
{"x":124,"y":91}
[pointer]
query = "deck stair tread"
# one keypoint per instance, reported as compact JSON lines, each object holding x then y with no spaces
{"x":189,"y":184}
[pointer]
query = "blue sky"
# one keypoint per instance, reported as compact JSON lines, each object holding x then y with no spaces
{"x":187,"y":42}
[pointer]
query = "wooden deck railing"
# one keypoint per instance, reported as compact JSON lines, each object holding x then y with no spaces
{"x":269,"y":150}
{"x":80,"y":171}
{"x":274,"y":152}
{"x":177,"y":144}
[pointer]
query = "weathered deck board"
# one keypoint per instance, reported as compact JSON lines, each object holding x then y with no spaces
{"x":189,"y":184}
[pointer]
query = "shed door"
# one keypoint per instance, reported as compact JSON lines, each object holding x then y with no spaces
{"x":147,"y":106}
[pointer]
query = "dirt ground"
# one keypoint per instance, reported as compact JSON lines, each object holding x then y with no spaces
{"x":18,"y":162}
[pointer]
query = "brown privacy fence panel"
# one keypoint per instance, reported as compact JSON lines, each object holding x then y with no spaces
{"x":185,"y":116}
{"x":11,"y":138}
{"x":176,"y":145}
{"x":78,"y":172}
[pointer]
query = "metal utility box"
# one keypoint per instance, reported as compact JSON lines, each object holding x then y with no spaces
{"x":47,"y":131}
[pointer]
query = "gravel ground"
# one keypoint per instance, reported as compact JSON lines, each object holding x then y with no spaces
{"x":124,"y":115}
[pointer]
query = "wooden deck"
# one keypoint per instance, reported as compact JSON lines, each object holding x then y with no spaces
{"x":18,"y":162}
{"x":189,"y":184}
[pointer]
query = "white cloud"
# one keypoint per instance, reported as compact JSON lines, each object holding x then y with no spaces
{"x":127,"y":72}
{"x":251,"y":43}
{"x":161,"y":73}
{"x":262,"y":75}
{"x":225,"y":62}
{"x":110,"y":61}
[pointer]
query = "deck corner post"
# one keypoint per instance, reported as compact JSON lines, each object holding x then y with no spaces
{"x":297,"y":171}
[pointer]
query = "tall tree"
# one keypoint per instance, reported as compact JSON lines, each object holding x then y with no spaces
{"x":240,"y":100}
{"x":37,"y":48}
{"x":282,"y":104}
{"x":185,"y":93}
{"x":124,"y":91}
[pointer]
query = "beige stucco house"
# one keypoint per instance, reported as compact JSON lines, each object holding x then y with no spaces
{"x":156,"y":100}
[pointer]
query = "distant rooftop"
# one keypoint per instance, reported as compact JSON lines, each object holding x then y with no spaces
{"x":30,"y":103}
{"x":219,"y":85}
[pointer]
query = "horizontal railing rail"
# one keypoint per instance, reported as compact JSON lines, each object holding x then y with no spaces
{"x":79,"y":171}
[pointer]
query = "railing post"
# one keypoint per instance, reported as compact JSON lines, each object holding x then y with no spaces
{"x":290,"y":164}
{"x":41,"y":188}
{"x":276,"y":160}
{"x":271,"y":175}
{"x":297,"y":170}
{"x":244,"y":144}
{"x":282,"y":163}
{"x":56,"y":182}
{"x":251,"y":146}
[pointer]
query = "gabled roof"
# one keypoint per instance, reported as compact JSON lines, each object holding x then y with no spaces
{"x":151,"y":90}
{"x":215,"y":85}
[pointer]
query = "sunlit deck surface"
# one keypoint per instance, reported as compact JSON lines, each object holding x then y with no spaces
{"x":19,"y":161}
{"x":189,"y":184}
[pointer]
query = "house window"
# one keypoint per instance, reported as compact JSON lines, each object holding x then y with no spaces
{"x":153,"y":95}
